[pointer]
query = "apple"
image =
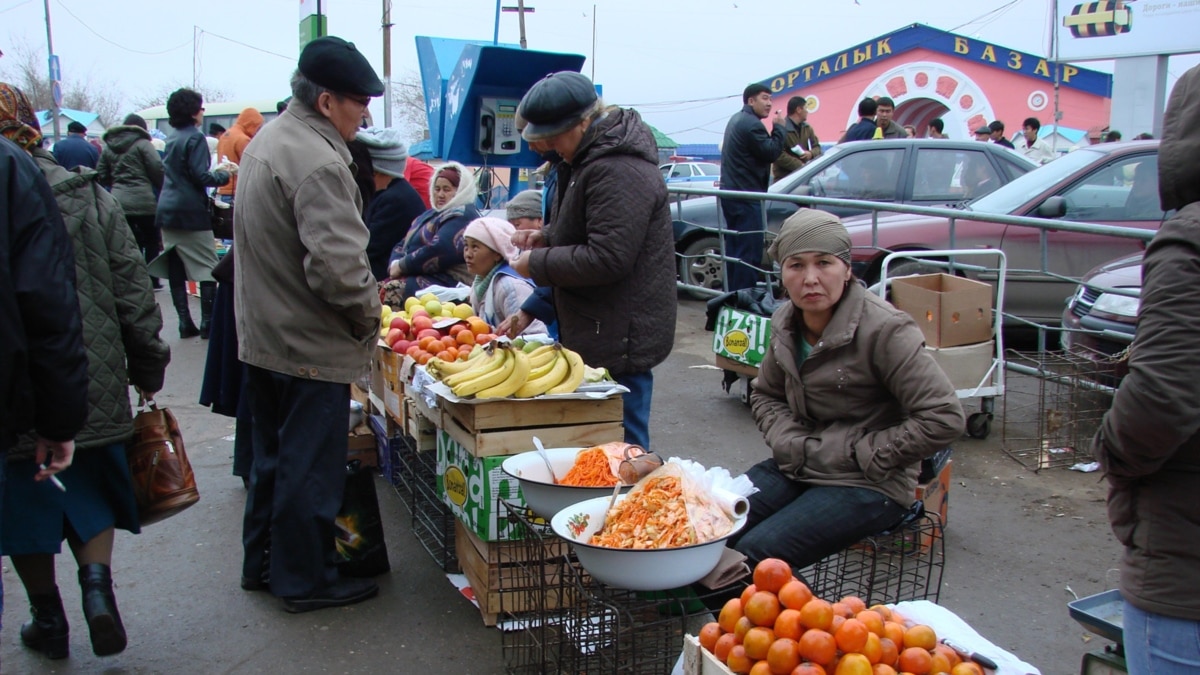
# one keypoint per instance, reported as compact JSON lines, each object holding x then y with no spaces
{"x":401,"y":346}
{"x":429,"y":332}
{"x":393,"y":336}
{"x":398,"y":323}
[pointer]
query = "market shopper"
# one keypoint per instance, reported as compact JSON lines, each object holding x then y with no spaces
{"x":232,"y":143}
{"x":526,"y":211}
{"x":998,"y":136}
{"x":1027,"y":142}
{"x":75,"y":150}
{"x":885,"y":107}
{"x":396,"y":204}
{"x":431,"y":253}
{"x":746,"y":157}
{"x":847,"y":398}
{"x":121,"y":325}
{"x":864,"y":129}
{"x":497,"y":291}
{"x":189,"y":253}
{"x":1147,"y":443}
{"x":800,"y":142}
{"x":607,"y":250}
{"x":307,"y":321}
{"x":132,"y":169}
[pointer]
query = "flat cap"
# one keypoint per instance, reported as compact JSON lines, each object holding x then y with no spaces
{"x":985,"y":129}
{"x":556,"y":103}
{"x":338,"y":66}
{"x":76,"y":128}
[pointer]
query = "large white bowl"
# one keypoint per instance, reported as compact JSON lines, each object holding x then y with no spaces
{"x":635,"y":569}
{"x":543,"y":496}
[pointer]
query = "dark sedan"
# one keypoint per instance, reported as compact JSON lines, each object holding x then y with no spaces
{"x":1100,"y":323}
{"x":928,"y":172}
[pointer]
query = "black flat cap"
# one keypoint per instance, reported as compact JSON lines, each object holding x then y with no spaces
{"x":985,"y":129}
{"x":337,"y":65}
{"x":76,"y":128}
{"x":556,"y":103}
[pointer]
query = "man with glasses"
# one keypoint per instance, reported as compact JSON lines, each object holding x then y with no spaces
{"x":307,"y":319}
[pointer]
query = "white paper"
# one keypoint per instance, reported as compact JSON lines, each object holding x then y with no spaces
{"x":948,"y":625}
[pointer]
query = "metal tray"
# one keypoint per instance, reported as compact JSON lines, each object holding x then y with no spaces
{"x":1101,"y":614}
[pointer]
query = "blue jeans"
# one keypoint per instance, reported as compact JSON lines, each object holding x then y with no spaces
{"x":804,"y":523}
{"x":745,"y":217}
{"x":1160,"y":645}
{"x":637,"y":406}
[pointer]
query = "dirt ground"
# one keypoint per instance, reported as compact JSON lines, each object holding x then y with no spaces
{"x":1019,"y":545}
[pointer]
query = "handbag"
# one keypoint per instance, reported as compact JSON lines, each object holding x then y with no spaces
{"x":221,"y":215}
{"x":359,"y":540}
{"x":163,"y":481}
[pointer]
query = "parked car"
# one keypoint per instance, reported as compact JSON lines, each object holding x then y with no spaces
{"x":928,"y":172}
{"x":1110,"y":184}
{"x":691,"y":174}
{"x":1102,"y":323}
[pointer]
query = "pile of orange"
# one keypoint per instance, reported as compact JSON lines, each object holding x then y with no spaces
{"x":455,"y":343}
{"x":777,"y":627}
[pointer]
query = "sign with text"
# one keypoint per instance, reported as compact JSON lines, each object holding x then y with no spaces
{"x":1109,"y":29}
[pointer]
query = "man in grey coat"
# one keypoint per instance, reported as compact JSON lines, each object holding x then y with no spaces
{"x":1149,"y":442}
{"x":307,"y":319}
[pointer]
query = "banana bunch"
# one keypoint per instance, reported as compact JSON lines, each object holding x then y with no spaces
{"x":502,"y":370}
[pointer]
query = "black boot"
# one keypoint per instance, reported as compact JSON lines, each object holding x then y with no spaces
{"x":48,"y":632}
{"x":100,"y":610}
{"x":179,"y":298}
{"x":208,"y":295}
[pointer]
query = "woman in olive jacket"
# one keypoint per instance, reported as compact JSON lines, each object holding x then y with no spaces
{"x":132,"y":169}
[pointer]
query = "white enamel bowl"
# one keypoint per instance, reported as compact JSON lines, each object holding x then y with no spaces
{"x":635,"y":569}
{"x":541,"y":494}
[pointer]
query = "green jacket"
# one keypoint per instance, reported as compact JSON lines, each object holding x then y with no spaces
{"x":132,"y":168}
{"x":803,"y":137}
{"x":121,"y":320}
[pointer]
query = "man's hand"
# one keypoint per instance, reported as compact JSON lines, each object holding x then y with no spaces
{"x":515,"y":324}
{"x":777,"y":118}
{"x":394,"y":269}
{"x":54,"y":455}
{"x":521,"y":265}
{"x":528,"y":239}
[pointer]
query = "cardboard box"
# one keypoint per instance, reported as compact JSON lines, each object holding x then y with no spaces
{"x":741,"y":336}
{"x":361,"y":446}
{"x":385,"y":381}
{"x":471,"y":486}
{"x":950,"y":310}
{"x":967,"y":366}
{"x":936,"y":493}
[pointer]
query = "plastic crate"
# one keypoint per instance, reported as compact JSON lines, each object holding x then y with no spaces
{"x":432,"y":521}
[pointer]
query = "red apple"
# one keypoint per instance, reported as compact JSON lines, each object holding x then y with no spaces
{"x":401,"y":346}
{"x":393,"y":335}
{"x":400,"y":324}
{"x":429,"y":332}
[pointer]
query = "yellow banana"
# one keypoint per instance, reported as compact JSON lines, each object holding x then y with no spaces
{"x":537,"y":370}
{"x":518,"y":376}
{"x":543,"y":383}
{"x":440,"y":369}
{"x":484,"y":364}
{"x":492,"y":377}
{"x":574,"y":377}
{"x":543,"y":355}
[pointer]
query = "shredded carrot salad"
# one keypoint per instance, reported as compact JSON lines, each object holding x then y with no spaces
{"x":592,"y":469}
{"x":654,"y":517}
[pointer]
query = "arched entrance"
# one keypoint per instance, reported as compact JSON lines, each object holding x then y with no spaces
{"x":919,"y":112}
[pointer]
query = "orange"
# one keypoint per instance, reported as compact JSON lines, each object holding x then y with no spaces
{"x":920,"y":636}
{"x":444,"y":355}
{"x":464,"y":352}
{"x":457,"y":328}
{"x":882,"y":669}
{"x":771,"y":574}
{"x":872,"y":620}
{"x":742,"y":627}
{"x":852,"y":636}
{"x":709,"y":635}
{"x":464,"y":336}
{"x":483,"y":338}
{"x":730,"y":613}
{"x":853,"y":664}
{"x":817,"y":613}
{"x":761,"y":668}
{"x":889,"y":653}
{"x":842,"y":609}
{"x":795,"y":594}
{"x":894,"y":632}
{"x":873,"y":649}
{"x":817,"y":646}
{"x":951,"y":656}
{"x":854,"y":602}
{"x":724,"y":644}
{"x":837,"y":622}
{"x":746,"y":594}
{"x":788,"y":625}
{"x":808,"y":668}
{"x":783,"y":656}
{"x":915,"y":660}
{"x":412,"y":350}
{"x":939,"y":663}
{"x":737,"y":660}
{"x":762,"y":609}
{"x":425,"y":356}
{"x":478,"y":325}
{"x":427,"y":341}
{"x":967,"y":668}
{"x":758,"y":642}
{"x":883,"y":611}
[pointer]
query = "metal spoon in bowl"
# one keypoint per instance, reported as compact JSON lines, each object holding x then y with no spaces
{"x":541,"y":450}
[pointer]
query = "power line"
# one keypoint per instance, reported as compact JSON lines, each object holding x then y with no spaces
{"x":248,"y":46}
{"x":117,"y":44}
{"x":19,"y":4}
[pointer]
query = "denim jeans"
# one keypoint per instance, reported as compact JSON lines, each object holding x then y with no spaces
{"x":1160,"y":645}
{"x":637,"y":406}
{"x":804,"y":523}
{"x":745,"y":217}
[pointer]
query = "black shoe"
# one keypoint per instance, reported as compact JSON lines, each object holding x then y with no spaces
{"x":47,"y":632}
{"x":261,"y":583}
{"x":188,"y":330}
{"x":100,"y":610}
{"x":344,"y":592}
{"x":208,"y":296}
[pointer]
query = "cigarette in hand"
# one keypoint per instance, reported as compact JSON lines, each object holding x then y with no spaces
{"x":54,"y":479}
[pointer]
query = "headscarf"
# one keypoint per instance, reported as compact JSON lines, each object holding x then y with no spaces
{"x":811,"y":230}
{"x":18,"y":123}
{"x":494,"y":233}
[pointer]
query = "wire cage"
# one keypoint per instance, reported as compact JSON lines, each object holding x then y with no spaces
{"x":904,"y":564}
{"x":1050,"y":418}
{"x":432,"y":519}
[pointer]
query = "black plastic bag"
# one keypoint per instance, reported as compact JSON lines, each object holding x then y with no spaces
{"x":359,"y":538}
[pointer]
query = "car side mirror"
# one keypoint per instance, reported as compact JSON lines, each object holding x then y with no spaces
{"x":1053,"y":207}
{"x":803,"y":191}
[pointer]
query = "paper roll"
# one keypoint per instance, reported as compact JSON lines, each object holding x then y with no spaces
{"x":734,"y":505}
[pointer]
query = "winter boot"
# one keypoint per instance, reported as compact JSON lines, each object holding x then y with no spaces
{"x":100,"y":610}
{"x":208,"y":296}
{"x":179,"y":298}
{"x":48,"y":632}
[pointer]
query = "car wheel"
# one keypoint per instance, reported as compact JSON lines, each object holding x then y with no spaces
{"x":907,"y":268}
{"x":700,"y":265}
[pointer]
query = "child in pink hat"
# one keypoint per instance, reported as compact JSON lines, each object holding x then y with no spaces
{"x":498,"y":291}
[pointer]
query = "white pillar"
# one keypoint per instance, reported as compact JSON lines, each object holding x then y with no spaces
{"x":1139,"y":95}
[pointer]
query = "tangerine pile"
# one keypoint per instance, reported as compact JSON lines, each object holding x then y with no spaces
{"x":777,"y":627}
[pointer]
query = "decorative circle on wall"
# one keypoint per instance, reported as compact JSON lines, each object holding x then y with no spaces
{"x":968,"y":105}
{"x":1038,"y":100}
{"x":812,"y":104}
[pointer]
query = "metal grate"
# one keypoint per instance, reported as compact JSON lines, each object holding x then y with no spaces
{"x":432,"y":520}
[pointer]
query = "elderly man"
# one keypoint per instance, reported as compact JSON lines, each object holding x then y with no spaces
{"x":75,"y":150}
{"x":307,"y":318}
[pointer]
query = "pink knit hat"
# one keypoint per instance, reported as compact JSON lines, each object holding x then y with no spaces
{"x":496,"y":234}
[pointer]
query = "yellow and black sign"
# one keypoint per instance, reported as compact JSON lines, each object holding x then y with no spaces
{"x":1099,"y":19}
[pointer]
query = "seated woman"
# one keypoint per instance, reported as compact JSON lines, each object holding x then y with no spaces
{"x":497,"y":291}
{"x":849,"y":402}
{"x":432,"y":251}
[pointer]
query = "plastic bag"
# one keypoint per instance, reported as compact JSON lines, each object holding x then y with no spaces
{"x":666,"y":509}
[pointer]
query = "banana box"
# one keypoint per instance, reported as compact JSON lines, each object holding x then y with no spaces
{"x":472,"y":487}
{"x":742,"y":336}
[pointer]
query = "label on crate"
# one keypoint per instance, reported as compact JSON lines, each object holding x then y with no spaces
{"x":742,"y":336}
{"x":471,"y":486}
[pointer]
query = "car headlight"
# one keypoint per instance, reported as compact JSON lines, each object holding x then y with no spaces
{"x":1117,"y":305}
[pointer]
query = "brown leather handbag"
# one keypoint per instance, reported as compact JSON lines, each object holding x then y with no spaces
{"x":163,"y":482}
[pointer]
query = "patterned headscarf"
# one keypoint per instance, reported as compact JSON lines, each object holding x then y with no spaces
{"x":18,"y":123}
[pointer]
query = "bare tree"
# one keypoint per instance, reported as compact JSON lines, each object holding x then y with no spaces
{"x":408,"y":107}
{"x":27,"y":71}
{"x":159,"y":96}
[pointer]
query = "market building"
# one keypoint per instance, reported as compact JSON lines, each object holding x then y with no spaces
{"x":932,"y":73}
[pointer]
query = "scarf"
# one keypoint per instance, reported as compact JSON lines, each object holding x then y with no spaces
{"x":18,"y":123}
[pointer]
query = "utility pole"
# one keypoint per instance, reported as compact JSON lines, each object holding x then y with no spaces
{"x":387,"y":63}
{"x":593,"y":43}
{"x":195,"y":53}
{"x":520,"y":9}
{"x":55,"y":87}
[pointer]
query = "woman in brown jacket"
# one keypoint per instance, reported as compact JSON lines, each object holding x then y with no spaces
{"x":848,"y":400}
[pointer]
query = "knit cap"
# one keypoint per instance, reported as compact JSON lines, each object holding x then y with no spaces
{"x":389,"y":154}
{"x":496,"y":234}
{"x":811,"y":231}
{"x":527,"y":204}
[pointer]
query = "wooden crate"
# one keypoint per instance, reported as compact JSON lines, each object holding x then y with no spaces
{"x":505,"y":575}
{"x":506,"y":426}
{"x":420,"y":423}
{"x":698,"y":661}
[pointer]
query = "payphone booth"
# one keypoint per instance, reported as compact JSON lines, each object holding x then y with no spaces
{"x":471,"y":94}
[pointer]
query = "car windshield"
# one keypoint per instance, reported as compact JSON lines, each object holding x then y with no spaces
{"x":709,"y":169}
{"x":784,"y":185}
{"x":1012,"y":196}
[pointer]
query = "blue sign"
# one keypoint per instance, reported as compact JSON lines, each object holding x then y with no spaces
{"x":55,"y":68}
{"x":56,"y":93}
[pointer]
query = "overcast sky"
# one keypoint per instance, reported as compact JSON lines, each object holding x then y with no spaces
{"x":682,"y":63}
